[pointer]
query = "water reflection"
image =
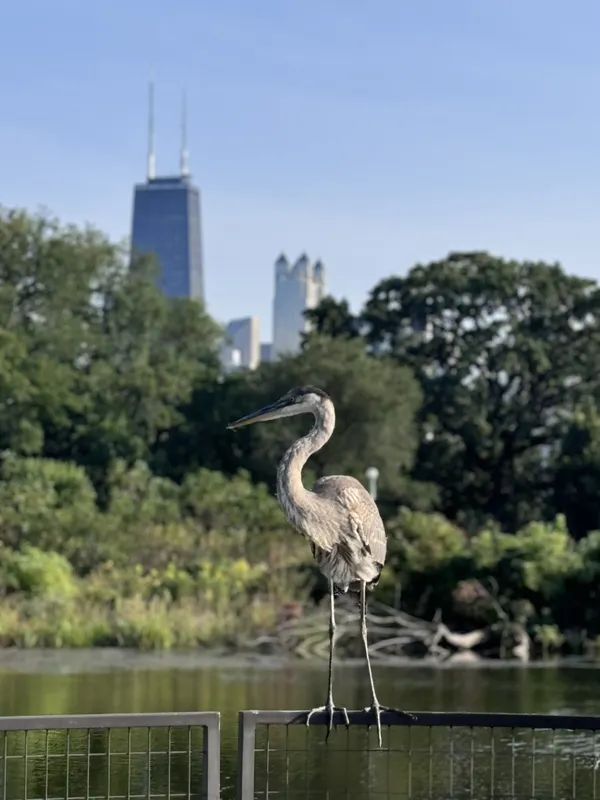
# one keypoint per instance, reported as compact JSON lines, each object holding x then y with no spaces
{"x":414,"y":763}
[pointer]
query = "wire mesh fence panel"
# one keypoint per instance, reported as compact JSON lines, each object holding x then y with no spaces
{"x":117,"y":757}
{"x":442,"y":757}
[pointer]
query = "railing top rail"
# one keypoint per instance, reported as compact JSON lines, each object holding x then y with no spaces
{"x":448,"y":719}
{"x":205,"y":719}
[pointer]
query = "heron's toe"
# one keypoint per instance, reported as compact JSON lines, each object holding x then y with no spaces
{"x":378,"y":708}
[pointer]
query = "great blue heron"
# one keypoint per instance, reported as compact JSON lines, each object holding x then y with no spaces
{"x":339,"y":517}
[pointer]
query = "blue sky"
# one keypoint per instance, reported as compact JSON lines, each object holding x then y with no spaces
{"x":371,"y":136}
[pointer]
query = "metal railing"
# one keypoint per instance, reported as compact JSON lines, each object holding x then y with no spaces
{"x":440,"y":756}
{"x":110,"y":757}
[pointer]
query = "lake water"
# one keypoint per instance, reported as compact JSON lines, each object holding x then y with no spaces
{"x":102,"y":681}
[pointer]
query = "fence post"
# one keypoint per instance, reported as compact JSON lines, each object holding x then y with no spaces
{"x":211,"y":758}
{"x":246,"y":754}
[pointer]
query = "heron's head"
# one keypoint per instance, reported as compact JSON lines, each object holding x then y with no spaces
{"x":302,"y":400}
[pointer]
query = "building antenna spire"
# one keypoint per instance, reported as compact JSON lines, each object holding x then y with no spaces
{"x":184,"y":159}
{"x":151,"y":153}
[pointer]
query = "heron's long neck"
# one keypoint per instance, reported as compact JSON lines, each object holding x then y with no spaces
{"x":292,"y":495}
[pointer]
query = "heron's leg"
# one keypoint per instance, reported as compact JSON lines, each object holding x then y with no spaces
{"x":329,"y":706}
{"x":376,"y":706}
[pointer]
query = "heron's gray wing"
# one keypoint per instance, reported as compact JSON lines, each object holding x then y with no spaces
{"x":359,"y":508}
{"x":365,"y":521}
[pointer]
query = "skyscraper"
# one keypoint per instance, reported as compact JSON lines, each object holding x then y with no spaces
{"x":243,"y":338}
{"x":297,"y":288}
{"x":265,"y":351}
{"x":167,"y":221}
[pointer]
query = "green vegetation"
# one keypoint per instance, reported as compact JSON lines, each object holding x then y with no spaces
{"x":130,"y":516}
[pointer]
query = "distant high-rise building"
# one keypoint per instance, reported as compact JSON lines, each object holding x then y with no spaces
{"x":297,"y":288}
{"x":265,"y":351}
{"x":167,"y":222}
{"x":231,"y":358}
{"x":243,"y":336}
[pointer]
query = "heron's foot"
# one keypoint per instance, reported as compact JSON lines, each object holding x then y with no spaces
{"x":376,"y":708}
{"x":331,"y":709}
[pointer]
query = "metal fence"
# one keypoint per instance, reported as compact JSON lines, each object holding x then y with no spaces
{"x":443,"y":756}
{"x":438,"y":756}
{"x":110,"y":757}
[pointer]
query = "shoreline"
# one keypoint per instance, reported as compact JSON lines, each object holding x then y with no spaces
{"x":102,"y":659}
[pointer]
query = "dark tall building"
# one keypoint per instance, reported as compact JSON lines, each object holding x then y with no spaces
{"x":167,"y":222}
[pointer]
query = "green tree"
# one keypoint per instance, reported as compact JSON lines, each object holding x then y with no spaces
{"x":332,"y":318}
{"x":45,"y":277}
{"x":505,"y":352}
{"x":50,"y":505}
{"x":149,"y":355}
{"x":20,"y":425}
{"x":375,"y":406}
{"x":95,"y":361}
{"x":577,"y":476}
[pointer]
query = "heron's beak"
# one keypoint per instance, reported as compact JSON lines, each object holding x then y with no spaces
{"x":271,"y":411}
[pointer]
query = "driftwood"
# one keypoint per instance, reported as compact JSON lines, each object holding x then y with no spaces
{"x":392,"y":634}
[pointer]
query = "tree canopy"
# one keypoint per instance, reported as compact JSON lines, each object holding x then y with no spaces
{"x":375,"y":400}
{"x":94,"y":362}
{"x":471,"y":383}
{"x":506,"y":353}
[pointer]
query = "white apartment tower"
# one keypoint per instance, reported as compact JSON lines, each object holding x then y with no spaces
{"x":243,"y":346}
{"x":297,"y":288}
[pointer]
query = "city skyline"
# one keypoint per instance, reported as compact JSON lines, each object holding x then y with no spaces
{"x":298,"y":286}
{"x":166,"y":223}
{"x":462,"y":127}
{"x":167,"y":219}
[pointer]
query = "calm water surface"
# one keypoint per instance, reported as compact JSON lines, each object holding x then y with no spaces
{"x":101,"y":681}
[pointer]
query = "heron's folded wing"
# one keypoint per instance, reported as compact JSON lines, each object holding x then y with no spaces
{"x":366,"y":521}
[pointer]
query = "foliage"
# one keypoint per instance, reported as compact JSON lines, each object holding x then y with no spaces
{"x":424,"y":541}
{"x":130,"y":515}
{"x":375,"y":406}
{"x":577,"y":476}
{"x":506,"y":354}
{"x":333,"y":318}
{"x":549,"y":636}
{"x":504,"y":350}
{"x":95,"y":360}
{"x":50,"y":505}
{"x":36,"y":572}
{"x":545,"y":553}
{"x":535,"y":572}
{"x":186,"y":568}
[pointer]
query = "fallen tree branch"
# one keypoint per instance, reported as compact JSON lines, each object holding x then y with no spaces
{"x":392,"y":634}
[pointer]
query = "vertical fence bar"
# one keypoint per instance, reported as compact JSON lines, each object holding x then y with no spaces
{"x":47,"y":764}
{"x":69,"y":765}
{"x":169,"y":758}
{"x":5,"y":767}
{"x":594,"y":795}
{"x":26,"y":762}
{"x":189,"y":762}
{"x":128,"y":763}
{"x":492,"y":763}
{"x":149,"y":769}
{"x":246,"y":754}
{"x":211,"y":758}
{"x":88,"y":760}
